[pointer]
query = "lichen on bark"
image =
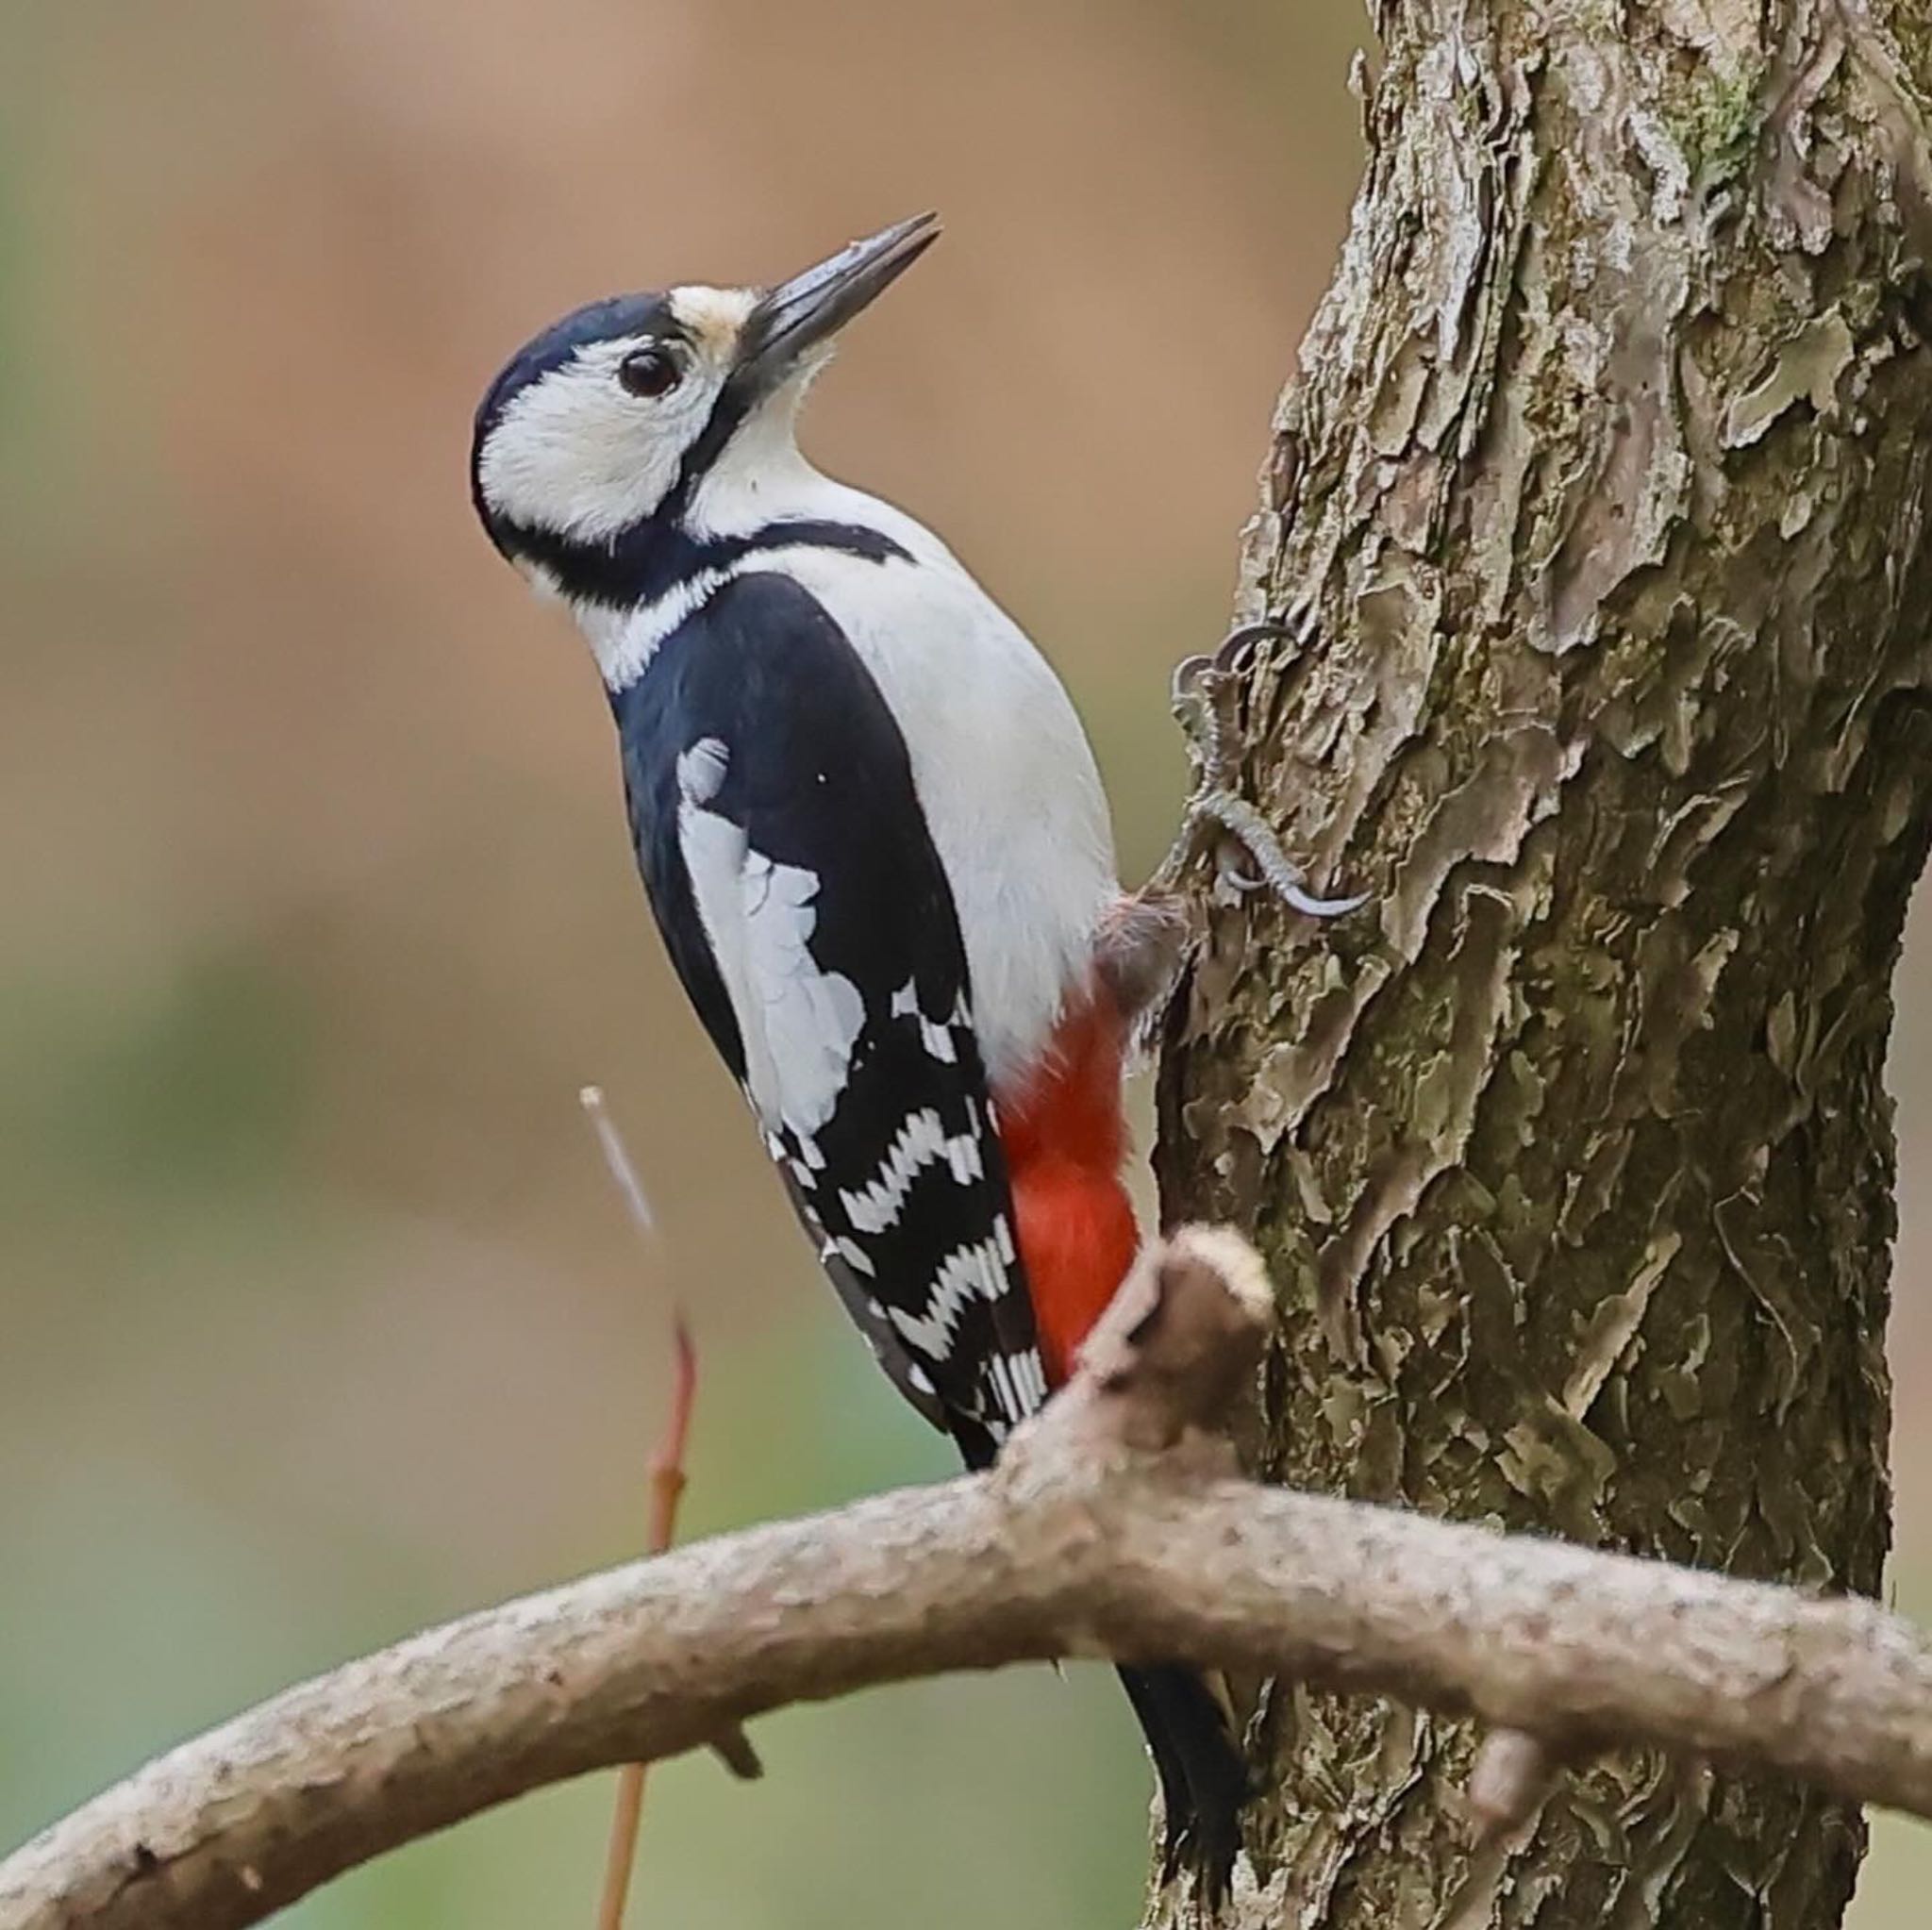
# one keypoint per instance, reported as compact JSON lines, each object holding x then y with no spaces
{"x":1601,"y":492}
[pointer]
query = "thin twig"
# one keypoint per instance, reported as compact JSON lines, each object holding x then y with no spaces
{"x":667,"y":1488}
{"x":616,"y":1157}
{"x":731,"y":1745}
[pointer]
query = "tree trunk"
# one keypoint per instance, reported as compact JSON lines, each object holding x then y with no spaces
{"x":1603,"y":488}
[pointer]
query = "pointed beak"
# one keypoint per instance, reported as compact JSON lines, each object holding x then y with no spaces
{"x":810,"y":308}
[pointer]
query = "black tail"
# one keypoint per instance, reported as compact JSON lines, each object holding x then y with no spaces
{"x":1203,"y":1780}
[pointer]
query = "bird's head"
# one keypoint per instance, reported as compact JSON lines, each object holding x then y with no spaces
{"x":607,"y":425}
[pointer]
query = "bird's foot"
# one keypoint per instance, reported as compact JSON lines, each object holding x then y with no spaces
{"x":1279,"y":871}
{"x":1203,"y":698}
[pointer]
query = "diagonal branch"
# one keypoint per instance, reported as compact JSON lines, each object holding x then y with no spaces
{"x":1111,"y":1528}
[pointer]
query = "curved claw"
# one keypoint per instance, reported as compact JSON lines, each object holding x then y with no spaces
{"x":1279,"y":873}
{"x":1323,"y":908}
{"x":1186,"y":682}
{"x":1236,"y":651}
{"x":1232,"y":655}
{"x":1292,"y":895}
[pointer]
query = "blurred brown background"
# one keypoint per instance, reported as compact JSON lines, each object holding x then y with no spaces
{"x":319,"y":1319}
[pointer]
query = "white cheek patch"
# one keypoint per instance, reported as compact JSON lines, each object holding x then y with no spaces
{"x":577,"y":455}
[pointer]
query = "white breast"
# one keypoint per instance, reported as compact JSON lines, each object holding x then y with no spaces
{"x":1003,"y":770}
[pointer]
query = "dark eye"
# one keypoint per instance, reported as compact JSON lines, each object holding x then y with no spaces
{"x":649,"y":371}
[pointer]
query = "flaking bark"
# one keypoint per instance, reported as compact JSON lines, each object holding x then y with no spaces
{"x":1603,"y":485}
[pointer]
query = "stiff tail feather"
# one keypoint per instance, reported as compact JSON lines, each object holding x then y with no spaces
{"x":1202,"y":1779}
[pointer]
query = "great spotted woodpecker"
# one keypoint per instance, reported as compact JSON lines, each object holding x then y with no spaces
{"x":875,"y":843}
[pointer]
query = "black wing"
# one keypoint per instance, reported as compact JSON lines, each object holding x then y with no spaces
{"x":807,"y":911}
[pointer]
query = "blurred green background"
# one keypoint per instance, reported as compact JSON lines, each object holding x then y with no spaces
{"x":320,"y":1321}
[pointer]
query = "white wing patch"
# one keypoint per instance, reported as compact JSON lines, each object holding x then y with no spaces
{"x":701,"y":771}
{"x":798,"y":1023}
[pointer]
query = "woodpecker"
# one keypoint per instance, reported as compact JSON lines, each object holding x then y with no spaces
{"x":874,"y":841}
